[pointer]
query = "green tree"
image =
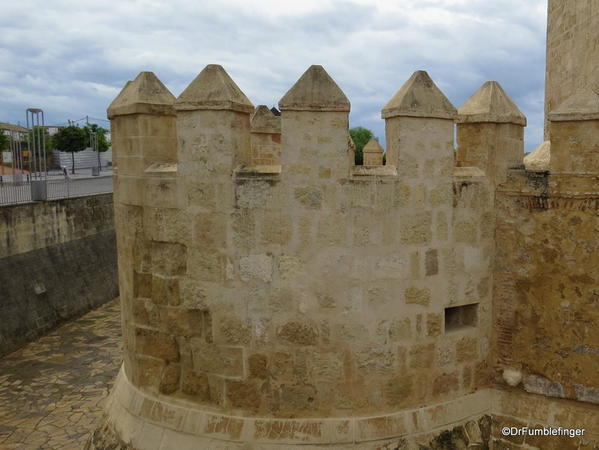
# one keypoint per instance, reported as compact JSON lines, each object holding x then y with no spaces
{"x":100,"y":132}
{"x":4,"y":144}
{"x":71,"y":139}
{"x":4,"y":141}
{"x":360,"y":136}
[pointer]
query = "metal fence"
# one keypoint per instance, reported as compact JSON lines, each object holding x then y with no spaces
{"x":24,"y":191}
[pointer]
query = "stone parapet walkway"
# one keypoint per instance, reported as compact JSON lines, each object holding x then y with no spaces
{"x":52,"y":391}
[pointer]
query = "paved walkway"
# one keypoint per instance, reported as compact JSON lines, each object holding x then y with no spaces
{"x":52,"y":391}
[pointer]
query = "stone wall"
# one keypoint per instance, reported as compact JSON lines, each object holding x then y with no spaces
{"x":547,"y":290}
{"x":572,"y":53}
{"x":57,"y":261}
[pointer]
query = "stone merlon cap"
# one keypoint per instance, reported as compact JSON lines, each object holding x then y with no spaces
{"x":144,"y":95}
{"x":538,"y":159}
{"x":373,"y":146}
{"x":315,"y":91}
{"x":264,"y":121}
{"x":213,"y":88}
{"x":583,"y":105}
{"x":490,"y":104}
{"x":419,"y":97}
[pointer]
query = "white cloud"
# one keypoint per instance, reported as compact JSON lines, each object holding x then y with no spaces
{"x":71,"y":58}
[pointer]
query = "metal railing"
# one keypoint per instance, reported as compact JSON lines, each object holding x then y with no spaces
{"x":13,"y":191}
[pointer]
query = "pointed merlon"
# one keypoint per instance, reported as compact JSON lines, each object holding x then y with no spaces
{"x":315,"y":91}
{"x":419,"y":97}
{"x":373,"y":153}
{"x":583,"y":105}
{"x":264,"y":121}
{"x":538,"y":159}
{"x":213,"y":89}
{"x":373,"y":146}
{"x":490,"y":104}
{"x":146,"y":94}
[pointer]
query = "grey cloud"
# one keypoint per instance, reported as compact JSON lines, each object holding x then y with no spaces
{"x":72,"y":59}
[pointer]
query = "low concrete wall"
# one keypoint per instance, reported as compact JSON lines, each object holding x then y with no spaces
{"x":57,"y":261}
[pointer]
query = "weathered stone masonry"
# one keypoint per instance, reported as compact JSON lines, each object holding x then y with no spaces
{"x":57,"y":261}
{"x":274,"y":294}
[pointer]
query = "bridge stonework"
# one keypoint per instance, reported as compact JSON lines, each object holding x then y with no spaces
{"x":275,"y":295}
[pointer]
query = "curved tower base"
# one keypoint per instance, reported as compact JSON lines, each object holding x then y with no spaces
{"x":137,"y":420}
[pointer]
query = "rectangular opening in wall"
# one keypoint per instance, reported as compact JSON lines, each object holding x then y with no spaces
{"x":458,"y":317}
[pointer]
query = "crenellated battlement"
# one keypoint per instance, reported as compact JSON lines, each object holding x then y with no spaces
{"x":219,"y":133}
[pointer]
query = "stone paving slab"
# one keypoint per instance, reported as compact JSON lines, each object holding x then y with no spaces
{"x":52,"y":390}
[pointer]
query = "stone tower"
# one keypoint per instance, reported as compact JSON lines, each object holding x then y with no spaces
{"x":275,"y":295}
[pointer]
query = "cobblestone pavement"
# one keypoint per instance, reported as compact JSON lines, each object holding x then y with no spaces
{"x":52,"y":391}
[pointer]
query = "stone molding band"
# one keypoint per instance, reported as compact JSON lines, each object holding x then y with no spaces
{"x":138,"y":417}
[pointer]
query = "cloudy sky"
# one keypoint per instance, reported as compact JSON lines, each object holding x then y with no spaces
{"x":71,"y":58}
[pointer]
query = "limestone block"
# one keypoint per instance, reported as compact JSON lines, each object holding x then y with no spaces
{"x":382,"y":427}
{"x":466,"y":349}
{"x":445,"y":383}
{"x":164,"y":291}
{"x":243,"y":226}
{"x":422,"y":356}
{"x":398,"y":391}
{"x":327,"y":365}
{"x":418,"y":296}
{"x":465,"y":232}
{"x":234,"y":331}
{"x":210,"y":230}
{"x":309,"y":197}
{"x":169,"y":380}
{"x":142,"y":284}
{"x":258,"y":366}
{"x":292,"y":267}
{"x":157,"y":344}
{"x":537,"y":384}
{"x":402,"y":195}
{"x":225,"y":427}
{"x":299,"y":333}
{"x":276,"y":229}
{"x":166,"y":225}
{"x":400,"y":329}
{"x":376,"y":360}
{"x":201,"y":194}
{"x":182,"y":322}
{"x":253,"y":194}
{"x":244,"y":394}
{"x":196,"y":384}
{"x":149,"y":372}
{"x":434,"y":325}
{"x":256,"y":267}
{"x":216,"y":359}
{"x":416,"y":228}
{"x":586,"y":393}
{"x":297,"y":397}
{"x":207,"y":265}
{"x":431,"y":262}
{"x":168,"y":259}
{"x":442,"y":195}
